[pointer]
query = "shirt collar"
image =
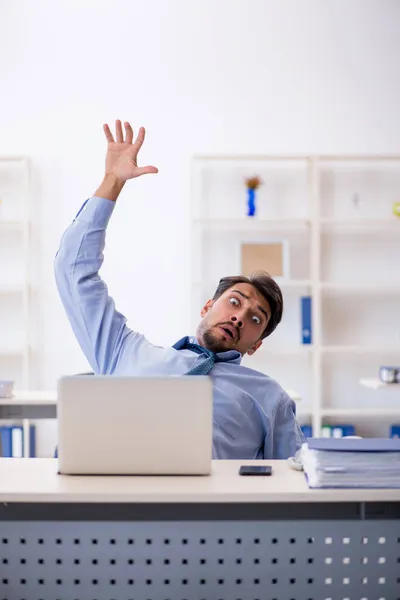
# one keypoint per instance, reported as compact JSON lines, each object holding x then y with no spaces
{"x":231,"y":356}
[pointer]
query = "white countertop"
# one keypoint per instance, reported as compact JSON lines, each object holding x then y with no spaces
{"x":30,"y":397}
{"x":36,"y":480}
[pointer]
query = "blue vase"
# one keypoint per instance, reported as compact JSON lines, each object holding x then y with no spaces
{"x":251,"y":202}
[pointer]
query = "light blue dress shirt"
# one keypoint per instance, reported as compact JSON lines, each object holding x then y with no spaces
{"x":253,"y":416}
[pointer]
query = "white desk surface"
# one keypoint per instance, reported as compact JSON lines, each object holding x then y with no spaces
{"x":31,"y":397}
{"x":36,"y":480}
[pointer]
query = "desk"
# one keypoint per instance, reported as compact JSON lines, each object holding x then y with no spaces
{"x":219,"y":537}
{"x":29,"y":405}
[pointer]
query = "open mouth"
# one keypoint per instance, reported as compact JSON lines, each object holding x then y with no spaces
{"x":230,"y":333}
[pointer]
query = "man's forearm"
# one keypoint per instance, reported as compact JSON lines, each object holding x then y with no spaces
{"x":99,"y":328}
{"x":110,"y":188}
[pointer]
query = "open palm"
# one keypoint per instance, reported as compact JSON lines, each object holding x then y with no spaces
{"x":121,"y":157}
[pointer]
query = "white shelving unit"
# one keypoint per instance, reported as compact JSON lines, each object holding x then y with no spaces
{"x":344,"y":241}
{"x":377,"y":384}
{"x":15,"y":315}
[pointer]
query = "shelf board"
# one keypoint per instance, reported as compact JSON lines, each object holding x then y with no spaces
{"x":6,"y":352}
{"x":12,"y":289}
{"x":377,"y":384}
{"x":12,"y":225}
{"x":293,"y":395}
{"x":348,"y":288}
{"x":362,"y":225}
{"x":336,"y":349}
{"x":288,"y":284}
{"x":33,"y":397}
{"x":252,"y":157}
{"x":13,"y":158}
{"x":294,"y":283}
{"x":320,"y":158}
{"x":255,"y":224}
{"x":303,"y":413}
{"x":294,"y":350}
{"x":357,"y":157}
{"x":360,"y":412}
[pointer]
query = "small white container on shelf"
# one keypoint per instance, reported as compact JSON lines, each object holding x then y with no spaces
{"x":6,"y":388}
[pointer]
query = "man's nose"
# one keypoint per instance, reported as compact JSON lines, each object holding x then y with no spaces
{"x":237,"y":321}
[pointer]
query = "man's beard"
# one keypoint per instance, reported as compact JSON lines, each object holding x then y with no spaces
{"x":213,"y":343}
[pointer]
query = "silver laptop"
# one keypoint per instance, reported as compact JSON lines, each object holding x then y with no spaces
{"x":110,"y":425}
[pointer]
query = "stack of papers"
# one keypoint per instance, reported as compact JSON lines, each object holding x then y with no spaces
{"x":352,"y":463}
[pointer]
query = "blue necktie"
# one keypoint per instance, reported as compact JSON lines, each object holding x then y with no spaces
{"x":207,"y":361}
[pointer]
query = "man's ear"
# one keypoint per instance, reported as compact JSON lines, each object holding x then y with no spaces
{"x":206,"y":307}
{"x":254,"y":348}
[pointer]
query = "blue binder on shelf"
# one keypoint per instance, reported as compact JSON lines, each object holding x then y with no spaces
{"x":306,"y":324}
{"x":32,"y":441}
{"x":6,"y":437}
{"x":6,"y":441}
{"x":395,"y":431}
{"x":307,"y":430}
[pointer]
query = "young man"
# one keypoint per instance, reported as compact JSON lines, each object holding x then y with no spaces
{"x":253,"y":415}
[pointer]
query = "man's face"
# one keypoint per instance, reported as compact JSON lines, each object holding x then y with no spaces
{"x":235,"y":321}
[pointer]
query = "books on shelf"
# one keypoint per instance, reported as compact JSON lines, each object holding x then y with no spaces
{"x":12,"y":441}
{"x":352,"y":463}
{"x":337,"y":431}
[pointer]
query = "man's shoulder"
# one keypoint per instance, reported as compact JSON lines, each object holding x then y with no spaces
{"x":266,"y":385}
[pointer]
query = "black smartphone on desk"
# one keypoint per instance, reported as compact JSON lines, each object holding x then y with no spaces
{"x":261,"y":470}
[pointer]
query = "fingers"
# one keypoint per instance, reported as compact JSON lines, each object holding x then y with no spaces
{"x":118,"y":131}
{"x":128,"y":133}
{"x":139,"y":140}
{"x":108,"y":133}
{"x":146,"y":170}
{"x":136,"y":146}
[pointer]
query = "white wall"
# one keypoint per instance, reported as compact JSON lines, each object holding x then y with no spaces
{"x":220,"y":76}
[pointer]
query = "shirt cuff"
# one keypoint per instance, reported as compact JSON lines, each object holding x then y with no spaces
{"x":96,"y":210}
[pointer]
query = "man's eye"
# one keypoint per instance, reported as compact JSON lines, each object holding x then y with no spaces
{"x":234,"y":301}
{"x":256,"y":319}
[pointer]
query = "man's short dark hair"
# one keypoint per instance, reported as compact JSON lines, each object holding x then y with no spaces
{"x":266,"y":286}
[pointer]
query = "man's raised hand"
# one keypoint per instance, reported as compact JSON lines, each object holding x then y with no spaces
{"x":121,"y":157}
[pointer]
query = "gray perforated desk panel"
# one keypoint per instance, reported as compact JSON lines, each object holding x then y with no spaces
{"x":199,"y":550}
